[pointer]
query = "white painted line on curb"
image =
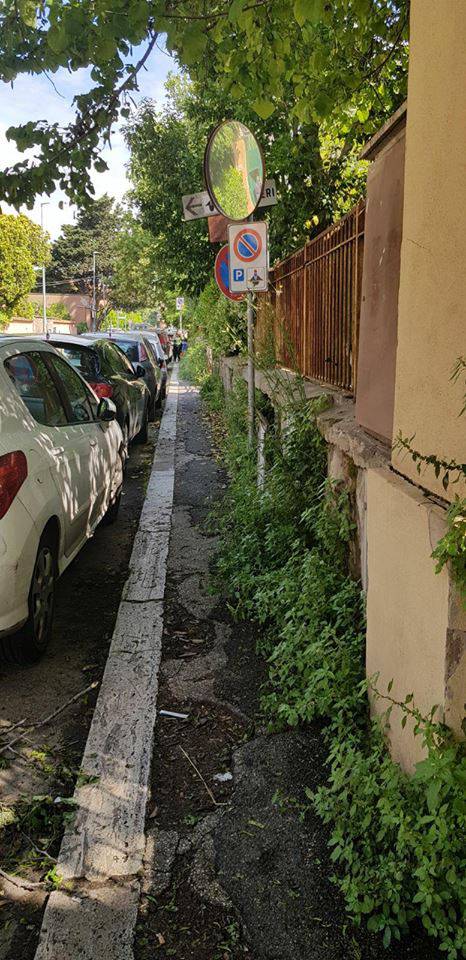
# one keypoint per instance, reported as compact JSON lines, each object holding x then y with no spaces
{"x":106,"y":839}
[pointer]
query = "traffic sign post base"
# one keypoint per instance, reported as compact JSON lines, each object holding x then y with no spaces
{"x":251,"y":372}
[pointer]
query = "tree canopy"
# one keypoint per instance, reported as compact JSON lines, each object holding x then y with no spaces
{"x":124,"y":252}
{"x":95,"y":229}
{"x":317,"y":177}
{"x":315,"y":59}
{"x":23,"y":246}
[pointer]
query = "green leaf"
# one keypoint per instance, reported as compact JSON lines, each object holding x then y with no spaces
{"x":235,"y":11}
{"x":432,"y":795}
{"x":57,"y":39}
{"x":194,"y":44}
{"x":311,"y":10}
{"x":264,"y":108}
{"x":323,"y":104}
{"x":106,"y":48}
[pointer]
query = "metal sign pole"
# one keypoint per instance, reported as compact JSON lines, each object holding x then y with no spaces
{"x":94,"y":293}
{"x":251,"y":371}
{"x":44,"y":287}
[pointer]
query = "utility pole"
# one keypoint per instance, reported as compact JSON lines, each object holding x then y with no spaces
{"x":251,"y":370}
{"x":44,"y":286}
{"x":94,"y":294}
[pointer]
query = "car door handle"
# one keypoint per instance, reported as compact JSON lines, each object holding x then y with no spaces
{"x":57,"y":452}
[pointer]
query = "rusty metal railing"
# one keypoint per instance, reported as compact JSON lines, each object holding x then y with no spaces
{"x":315,"y":298}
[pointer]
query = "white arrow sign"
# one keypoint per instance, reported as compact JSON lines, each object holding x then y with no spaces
{"x":197,"y":205}
{"x":269,"y":194}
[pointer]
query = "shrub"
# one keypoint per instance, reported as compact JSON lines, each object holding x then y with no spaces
{"x":397,"y":841}
{"x":58,"y":311}
{"x":193,"y":364}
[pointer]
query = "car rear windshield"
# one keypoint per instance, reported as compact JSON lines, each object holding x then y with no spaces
{"x":131,"y":348}
{"x":85,"y":361}
{"x":113,"y":360}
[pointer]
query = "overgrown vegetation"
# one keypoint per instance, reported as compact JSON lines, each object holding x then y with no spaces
{"x":451,"y":548}
{"x":397,"y":842}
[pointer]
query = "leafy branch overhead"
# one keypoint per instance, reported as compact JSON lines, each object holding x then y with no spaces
{"x":318,"y":59}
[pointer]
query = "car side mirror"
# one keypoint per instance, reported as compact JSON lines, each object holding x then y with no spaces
{"x":161,"y":363}
{"x":139,"y":371}
{"x":106,"y":410}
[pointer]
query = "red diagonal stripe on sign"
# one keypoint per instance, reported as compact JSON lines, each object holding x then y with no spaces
{"x":246,"y":243}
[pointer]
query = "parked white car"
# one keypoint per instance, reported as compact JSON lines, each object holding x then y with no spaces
{"x":61,"y":472}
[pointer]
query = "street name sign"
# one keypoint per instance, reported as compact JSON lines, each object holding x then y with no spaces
{"x":269,"y":194}
{"x":222,"y":274}
{"x":198,"y":205}
{"x":247,"y":243}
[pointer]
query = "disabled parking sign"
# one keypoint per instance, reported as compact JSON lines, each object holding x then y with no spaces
{"x":247,"y":244}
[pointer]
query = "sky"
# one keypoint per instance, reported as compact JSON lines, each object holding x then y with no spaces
{"x":34,"y":98}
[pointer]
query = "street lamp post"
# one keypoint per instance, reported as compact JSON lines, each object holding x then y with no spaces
{"x":44,"y":287}
{"x":94,"y":293}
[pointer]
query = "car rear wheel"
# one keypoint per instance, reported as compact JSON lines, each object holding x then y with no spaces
{"x":125,"y":444}
{"x":29,"y":643}
{"x":143,"y":435}
{"x":113,"y":509}
{"x":154,"y":405}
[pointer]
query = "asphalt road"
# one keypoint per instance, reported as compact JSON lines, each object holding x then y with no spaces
{"x":88,"y":596}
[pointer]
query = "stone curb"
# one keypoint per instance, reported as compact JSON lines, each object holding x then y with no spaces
{"x":106,"y":839}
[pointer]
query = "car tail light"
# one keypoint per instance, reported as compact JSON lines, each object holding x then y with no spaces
{"x":102,"y":389}
{"x":13,"y":472}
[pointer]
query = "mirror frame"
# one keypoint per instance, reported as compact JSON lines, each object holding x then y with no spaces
{"x":208,"y":181}
{"x":104,"y":412}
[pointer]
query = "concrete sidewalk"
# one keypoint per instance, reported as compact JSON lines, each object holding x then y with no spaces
{"x":105,"y":842}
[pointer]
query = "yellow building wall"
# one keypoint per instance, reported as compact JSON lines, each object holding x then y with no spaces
{"x":432,"y":296}
{"x":407,"y":605}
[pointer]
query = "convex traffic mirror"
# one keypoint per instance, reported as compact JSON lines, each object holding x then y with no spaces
{"x":234,"y":170}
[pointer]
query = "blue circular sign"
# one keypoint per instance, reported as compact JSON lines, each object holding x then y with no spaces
{"x":222,"y":274}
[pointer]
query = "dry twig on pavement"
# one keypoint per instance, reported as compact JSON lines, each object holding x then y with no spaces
{"x":209,"y":791}
{"x":46,"y":720}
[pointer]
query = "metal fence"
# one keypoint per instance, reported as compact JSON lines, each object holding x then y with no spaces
{"x":315,"y":296}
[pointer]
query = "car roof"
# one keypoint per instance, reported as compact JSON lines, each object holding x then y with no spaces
{"x":65,"y":338}
{"x":22,"y":341}
{"x":106,"y":335}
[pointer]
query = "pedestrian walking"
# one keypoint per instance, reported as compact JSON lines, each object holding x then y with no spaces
{"x":177,"y":344}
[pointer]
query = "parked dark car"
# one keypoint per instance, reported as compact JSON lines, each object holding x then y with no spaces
{"x":139,"y":354}
{"x":110,"y":374}
{"x":84,"y":358}
{"x":130,"y":391}
{"x":154,"y":348}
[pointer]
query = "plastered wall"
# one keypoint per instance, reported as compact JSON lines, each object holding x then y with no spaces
{"x":432,"y":296}
{"x":408,"y":607}
{"x":380,"y":284}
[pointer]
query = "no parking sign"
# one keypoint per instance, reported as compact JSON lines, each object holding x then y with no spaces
{"x":247,"y":244}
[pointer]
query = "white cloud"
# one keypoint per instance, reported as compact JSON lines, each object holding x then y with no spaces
{"x":37,"y":98}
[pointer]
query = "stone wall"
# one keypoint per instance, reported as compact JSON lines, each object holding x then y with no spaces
{"x":416,"y":628}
